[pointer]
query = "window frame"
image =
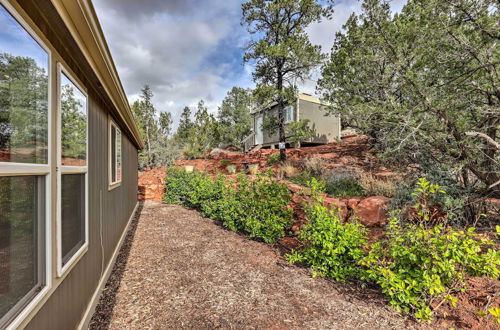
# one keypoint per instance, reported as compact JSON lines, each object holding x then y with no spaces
{"x":62,"y":270}
{"x":114,"y":184}
{"x":291,"y":108}
{"x":46,"y":171}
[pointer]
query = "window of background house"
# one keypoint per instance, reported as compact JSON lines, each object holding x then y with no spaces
{"x":289,"y":113}
{"x":73,"y":171}
{"x":115,"y":152}
{"x":24,"y":166}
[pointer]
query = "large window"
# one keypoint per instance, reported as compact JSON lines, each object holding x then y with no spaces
{"x":24,"y":167}
{"x":115,"y":155}
{"x":72,"y":202}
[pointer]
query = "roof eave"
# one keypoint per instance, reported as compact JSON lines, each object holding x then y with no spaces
{"x":90,"y":39}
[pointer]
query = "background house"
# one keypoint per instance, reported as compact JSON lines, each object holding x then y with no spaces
{"x":68,"y":163}
{"x":327,"y":128}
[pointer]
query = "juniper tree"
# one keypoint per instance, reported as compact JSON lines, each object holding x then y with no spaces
{"x":424,"y":83}
{"x":281,"y":51}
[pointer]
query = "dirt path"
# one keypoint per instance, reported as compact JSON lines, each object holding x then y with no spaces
{"x":179,"y":270}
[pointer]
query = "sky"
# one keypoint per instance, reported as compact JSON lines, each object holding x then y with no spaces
{"x":188,"y":50}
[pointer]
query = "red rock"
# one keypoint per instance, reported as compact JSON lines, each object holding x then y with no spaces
{"x":372,"y":211}
{"x":341,"y":206}
{"x":295,"y":188}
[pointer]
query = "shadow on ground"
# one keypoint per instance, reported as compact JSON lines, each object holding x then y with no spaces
{"x":104,"y":309}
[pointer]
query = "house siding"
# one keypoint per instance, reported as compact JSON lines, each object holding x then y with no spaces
{"x":327,"y":128}
{"x":69,"y":297}
{"x":66,"y":306}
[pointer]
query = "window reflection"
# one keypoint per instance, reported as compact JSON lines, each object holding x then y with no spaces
{"x":21,"y":242}
{"x":73,"y":124}
{"x":23,"y":95}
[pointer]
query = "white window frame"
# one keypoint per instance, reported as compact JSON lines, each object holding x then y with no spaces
{"x":65,"y":169}
{"x":117,"y":183}
{"x":291,"y":109}
{"x":23,"y":169}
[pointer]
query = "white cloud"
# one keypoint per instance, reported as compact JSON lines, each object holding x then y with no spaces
{"x":188,"y":50}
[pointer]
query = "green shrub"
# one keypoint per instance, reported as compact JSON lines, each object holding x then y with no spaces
{"x":344,"y":188}
{"x":257,"y":207}
{"x":273,"y":159}
{"x":418,"y":265}
{"x":303,"y":178}
{"x":332,"y":249}
{"x":225,"y":162}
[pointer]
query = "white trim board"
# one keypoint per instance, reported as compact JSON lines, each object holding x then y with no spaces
{"x":89,"y":312}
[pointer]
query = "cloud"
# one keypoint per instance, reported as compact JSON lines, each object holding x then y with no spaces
{"x":188,"y":50}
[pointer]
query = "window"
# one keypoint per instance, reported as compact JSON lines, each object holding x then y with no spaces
{"x":288,"y":114}
{"x":72,"y":201}
{"x":115,"y":155}
{"x":24,"y":167}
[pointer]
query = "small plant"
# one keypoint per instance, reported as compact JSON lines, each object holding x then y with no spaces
{"x":332,"y":248}
{"x":373,"y":186}
{"x":287,"y":170}
{"x":343,"y":184}
{"x":225,"y":162}
{"x":315,"y":166}
{"x":304,"y":178}
{"x":273,"y":159}
{"x":495,"y":312}
{"x":418,"y":267}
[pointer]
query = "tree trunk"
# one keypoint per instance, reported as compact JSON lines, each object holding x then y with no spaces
{"x":281,"y":116}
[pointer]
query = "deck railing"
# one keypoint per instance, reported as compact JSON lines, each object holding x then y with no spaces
{"x":248,"y":142}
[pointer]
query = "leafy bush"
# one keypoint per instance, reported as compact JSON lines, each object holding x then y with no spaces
{"x":463,"y":206}
{"x":332,"y":248}
{"x":417,"y":266}
{"x":194,"y":190}
{"x":257,"y":207}
{"x":273,"y":159}
{"x":303,"y":178}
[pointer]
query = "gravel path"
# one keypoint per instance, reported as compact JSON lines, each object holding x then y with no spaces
{"x":179,"y":270}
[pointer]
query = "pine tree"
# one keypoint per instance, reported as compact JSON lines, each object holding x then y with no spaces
{"x":282,"y":52}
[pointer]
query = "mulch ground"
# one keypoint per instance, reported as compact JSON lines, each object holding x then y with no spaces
{"x":179,"y":270}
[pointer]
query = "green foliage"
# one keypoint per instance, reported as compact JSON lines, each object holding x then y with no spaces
{"x":74,"y":122}
{"x":345,"y":187}
{"x":234,"y":116}
{"x":185,"y":124}
{"x":159,"y":148}
{"x":203,"y":134}
{"x":23,"y":108}
{"x":422,"y":83}
{"x":332,"y":248}
{"x":495,"y":312}
{"x":273,"y":159}
{"x":303,"y":179}
{"x":337,"y":184}
{"x":299,"y":131}
{"x":417,"y":266}
{"x":225,"y":162}
{"x":257,"y":207}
